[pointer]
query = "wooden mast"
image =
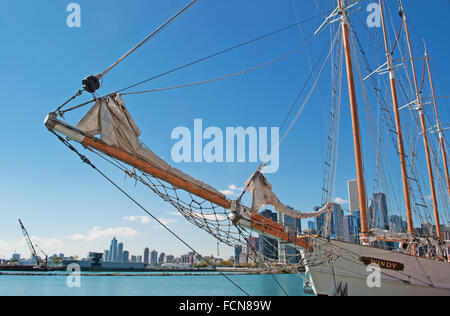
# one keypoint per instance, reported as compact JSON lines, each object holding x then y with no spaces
{"x":438,"y":122}
{"x":401,"y":150}
{"x":424,"y":129}
{"x":355,"y":124}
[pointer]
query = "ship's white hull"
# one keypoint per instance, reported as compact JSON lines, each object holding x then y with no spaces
{"x":346,"y":274}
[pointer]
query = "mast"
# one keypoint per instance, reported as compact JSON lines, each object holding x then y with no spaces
{"x":355,"y":124}
{"x":424,"y":128}
{"x":401,"y":150}
{"x":438,"y":122}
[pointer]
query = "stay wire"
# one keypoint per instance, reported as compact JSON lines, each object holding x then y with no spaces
{"x":88,"y":162}
{"x":221,"y":52}
{"x":193,"y":63}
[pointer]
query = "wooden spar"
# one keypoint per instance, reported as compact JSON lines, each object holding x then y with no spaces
{"x":252,"y":220}
{"x":92,"y":142}
{"x":438,"y":122}
{"x":277,"y":230}
{"x":355,"y":124}
{"x":401,"y":150}
{"x":424,"y":130}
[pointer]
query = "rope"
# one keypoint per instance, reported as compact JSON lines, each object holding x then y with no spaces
{"x":221,"y":52}
{"x":190,"y":64}
{"x":220,"y":78}
{"x":423,"y":77}
{"x":398,"y":36}
{"x":153,"y":34}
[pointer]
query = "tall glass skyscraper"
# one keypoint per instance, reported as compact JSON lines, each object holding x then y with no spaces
{"x":146,"y":255}
{"x":113,"y":250}
{"x":269,"y":246}
{"x":119,"y":257}
{"x":378,"y":212}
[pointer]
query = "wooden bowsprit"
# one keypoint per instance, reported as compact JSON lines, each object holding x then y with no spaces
{"x":246,"y":218}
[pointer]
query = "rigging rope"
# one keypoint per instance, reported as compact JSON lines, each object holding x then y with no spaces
{"x":153,"y":34}
{"x":61,"y":113}
{"x":219,"y":78}
{"x":221,"y":52}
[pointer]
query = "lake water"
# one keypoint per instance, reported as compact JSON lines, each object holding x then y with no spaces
{"x":172,"y":285}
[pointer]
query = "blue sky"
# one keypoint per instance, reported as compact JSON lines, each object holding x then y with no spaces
{"x":70,"y":209}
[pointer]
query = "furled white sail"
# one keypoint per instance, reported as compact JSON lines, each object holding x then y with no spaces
{"x":261,"y":191}
{"x":110,"y":119}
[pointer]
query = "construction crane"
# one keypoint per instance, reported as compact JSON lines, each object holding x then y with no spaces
{"x":40,"y":263}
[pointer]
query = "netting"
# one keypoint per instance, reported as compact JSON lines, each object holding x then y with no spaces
{"x":256,"y":249}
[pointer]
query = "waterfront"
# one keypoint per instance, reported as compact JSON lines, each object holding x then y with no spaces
{"x":167,"y":285}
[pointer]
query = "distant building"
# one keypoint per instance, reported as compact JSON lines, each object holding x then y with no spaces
{"x":146,"y":256}
{"x":350,"y":226}
{"x":252,"y":247}
{"x":378,"y":218}
{"x":119,"y":256}
{"x":170,"y":259}
{"x":337,"y":222}
{"x":353,"y":195}
{"x":237,"y":254}
{"x":154,"y":257}
{"x":289,"y":254}
{"x":312,"y":226}
{"x":269,"y":246}
{"x":15,"y":257}
{"x":162,"y":257}
{"x":113,"y":250}
{"x":378,"y":212}
{"x":336,"y":225}
{"x":106,"y":256}
{"x":126,"y":256}
{"x":397,"y":224}
{"x":133,"y":259}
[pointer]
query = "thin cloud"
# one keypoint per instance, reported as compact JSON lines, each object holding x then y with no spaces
{"x":98,"y":233}
{"x":339,"y":200}
{"x":227,"y":192}
{"x":142,"y":219}
{"x":4,"y":246}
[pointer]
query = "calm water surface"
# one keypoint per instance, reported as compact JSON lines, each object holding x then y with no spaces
{"x":176,"y":285}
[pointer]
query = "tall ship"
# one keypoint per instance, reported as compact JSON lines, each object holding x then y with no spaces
{"x":376,"y":254}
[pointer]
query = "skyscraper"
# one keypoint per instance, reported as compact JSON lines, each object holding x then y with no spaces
{"x":119,"y":257}
{"x":146,"y":255}
{"x":162,"y":257}
{"x":113,"y":250}
{"x":336,"y":225}
{"x":126,"y":256}
{"x":350,"y":229}
{"x":252,"y":246}
{"x":397,"y":224}
{"x":353,"y":195}
{"x":237,"y":253}
{"x":337,"y":222}
{"x":106,"y":256}
{"x":154,"y":257}
{"x":378,"y":212}
{"x":288,"y":253}
{"x":269,"y":246}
